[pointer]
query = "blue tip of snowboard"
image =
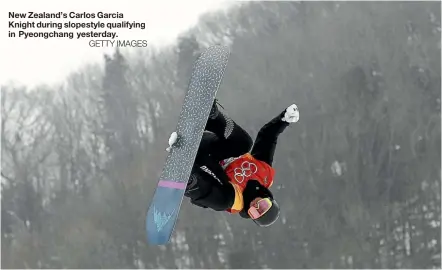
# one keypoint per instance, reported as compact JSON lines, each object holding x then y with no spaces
{"x":162,"y":215}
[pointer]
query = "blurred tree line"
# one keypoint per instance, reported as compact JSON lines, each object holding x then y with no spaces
{"x":358,"y":178}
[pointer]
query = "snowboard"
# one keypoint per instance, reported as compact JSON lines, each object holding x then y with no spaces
{"x":205,"y":80}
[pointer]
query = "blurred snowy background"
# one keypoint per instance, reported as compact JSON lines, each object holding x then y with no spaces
{"x":358,"y":178}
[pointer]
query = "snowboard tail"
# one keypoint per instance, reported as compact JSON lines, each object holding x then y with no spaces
{"x":206,"y":78}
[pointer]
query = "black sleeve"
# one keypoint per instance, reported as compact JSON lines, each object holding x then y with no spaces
{"x":211,"y":191}
{"x":212,"y":188}
{"x":218,"y":172}
{"x":207,"y":158}
{"x":267,"y":138}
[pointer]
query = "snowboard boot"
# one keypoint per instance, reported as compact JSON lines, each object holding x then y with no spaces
{"x":219,"y":123}
{"x":214,"y":112}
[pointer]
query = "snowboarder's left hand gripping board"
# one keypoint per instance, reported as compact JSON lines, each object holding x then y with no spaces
{"x":206,"y":78}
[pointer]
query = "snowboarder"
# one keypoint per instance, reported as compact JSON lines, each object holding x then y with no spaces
{"x":231,"y":175}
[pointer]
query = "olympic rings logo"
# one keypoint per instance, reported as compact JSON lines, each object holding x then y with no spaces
{"x":246,"y":170}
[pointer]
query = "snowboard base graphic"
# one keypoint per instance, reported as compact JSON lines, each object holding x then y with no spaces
{"x":206,"y":78}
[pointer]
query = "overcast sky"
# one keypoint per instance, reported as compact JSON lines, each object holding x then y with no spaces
{"x":33,"y":61}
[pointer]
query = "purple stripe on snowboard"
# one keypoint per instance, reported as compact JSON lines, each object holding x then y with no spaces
{"x":172,"y":184}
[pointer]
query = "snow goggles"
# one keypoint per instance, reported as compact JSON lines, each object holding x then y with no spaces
{"x":261,"y":207}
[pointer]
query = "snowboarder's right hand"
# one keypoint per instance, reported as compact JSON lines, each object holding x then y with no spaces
{"x":172,"y":140}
